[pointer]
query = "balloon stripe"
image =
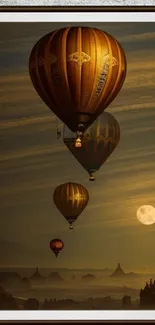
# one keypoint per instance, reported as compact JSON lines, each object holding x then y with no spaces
{"x":108,"y":82}
{"x":66,"y":87}
{"x":88,"y":69}
{"x":115,"y":84}
{"x":42,"y":78}
{"x":50,"y":67}
{"x":98,"y":77}
{"x":36,"y":76}
{"x":74,"y":71}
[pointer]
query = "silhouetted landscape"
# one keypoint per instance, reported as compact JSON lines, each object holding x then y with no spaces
{"x":26,"y":288}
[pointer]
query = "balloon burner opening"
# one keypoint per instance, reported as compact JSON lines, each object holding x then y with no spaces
{"x":78,"y":142}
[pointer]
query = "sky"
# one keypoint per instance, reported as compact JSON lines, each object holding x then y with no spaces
{"x":33,"y":162}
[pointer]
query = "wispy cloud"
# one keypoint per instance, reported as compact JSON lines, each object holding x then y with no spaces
{"x":25,"y":121}
{"x":19,"y":88}
{"x":125,"y":108}
{"x":138,"y":37}
{"x":32,"y":151}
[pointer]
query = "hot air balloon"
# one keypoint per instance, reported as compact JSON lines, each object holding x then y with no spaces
{"x":56,"y":246}
{"x":77,"y":71}
{"x":70,"y":199}
{"x":99,"y":141}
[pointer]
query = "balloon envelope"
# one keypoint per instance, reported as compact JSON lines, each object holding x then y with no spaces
{"x":70,"y":199}
{"x":56,"y":246}
{"x":77,"y":71}
{"x":99,"y":141}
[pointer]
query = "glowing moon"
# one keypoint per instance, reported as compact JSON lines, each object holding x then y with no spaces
{"x":146,"y":214}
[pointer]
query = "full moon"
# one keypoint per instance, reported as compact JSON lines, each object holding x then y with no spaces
{"x":146,"y":214}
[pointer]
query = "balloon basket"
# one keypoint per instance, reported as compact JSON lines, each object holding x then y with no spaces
{"x":92,"y":178}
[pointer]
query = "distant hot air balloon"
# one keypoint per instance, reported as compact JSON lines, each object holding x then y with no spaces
{"x":70,"y":199}
{"x":99,"y":141}
{"x":77,"y":71}
{"x":56,"y":246}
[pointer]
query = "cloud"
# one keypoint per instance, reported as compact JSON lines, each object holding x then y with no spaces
{"x":11,"y":80}
{"x":32,"y":151}
{"x":27,"y":187}
{"x":145,"y":115}
{"x":19,"y":88}
{"x":125,"y":108}
{"x":133,"y":168}
{"x":138,"y":37}
{"x":135,"y":152}
{"x":142,"y":129}
{"x":130,"y":183}
{"x":22,"y":45}
{"x":26,"y":121}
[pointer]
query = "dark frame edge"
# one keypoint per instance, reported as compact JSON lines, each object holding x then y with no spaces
{"x":77,"y":8}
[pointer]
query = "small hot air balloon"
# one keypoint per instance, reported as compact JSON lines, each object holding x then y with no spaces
{"x":77,"y":72}
{"x":56,"y":246}
{"x":70,"y":199}
{"x":99,"y":141}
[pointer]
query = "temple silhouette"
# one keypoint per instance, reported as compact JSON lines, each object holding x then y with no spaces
{"x":36,"y":275}
{"x":118,"y":272}
{"x":147,"y":295}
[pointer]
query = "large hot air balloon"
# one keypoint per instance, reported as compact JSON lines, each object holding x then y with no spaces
{"x":70,"y":199}
{"x":56,"y":246}
{"x":99,"y":141}
{"x":77,"y":71}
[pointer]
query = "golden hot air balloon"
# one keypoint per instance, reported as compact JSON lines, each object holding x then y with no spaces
{"x":56,"y":245}
{"x":77,"y":71}
{"x":70,"y":199}
{"x":99,"y":141}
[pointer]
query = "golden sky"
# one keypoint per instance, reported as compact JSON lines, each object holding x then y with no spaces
{"x":33,"y":162}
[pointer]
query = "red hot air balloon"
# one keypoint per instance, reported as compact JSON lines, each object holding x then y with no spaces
{"x":56,"y":245}
{"x":70,"y":199}
{"x":77,"y":71}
